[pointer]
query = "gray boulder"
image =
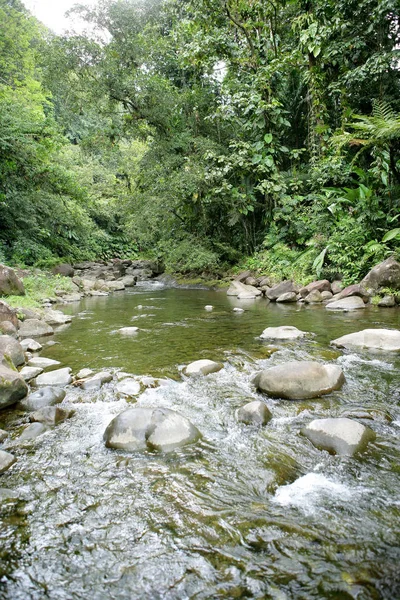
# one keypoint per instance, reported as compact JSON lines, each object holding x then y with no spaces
{"x":31,"y":345}
{"x":203,"y":367}
{"x":34,"y":328}
{"x":338,"y":436}
{"x":254,"y":413}
{"x":346,"y":304}
{"x":386,"y":274}
{"x":29,"y":373}
{"x":314,"y":297}
{"x":47,"y":396}
{"x":243,"y":291}
{"x":8,"y":314}
{"x":57,"y":377}
{"x":287,"y":297}
{"x":285,"y":332}
{"x":115,"y":286}
{"x":6,"y":461}
{"x":336,"y":286}
{"x":7,"y":328}
{"x":128,"y":280}
{"x":282,"y":288}
{"x":153,"y":428}
{"x":10,"y":284}
{"x":243,"y":276}
{"x":64,"y":269}
{"x":56,"y":317}
{"x":84,"y":373}
{"x":42,"y":362}
{"x":12,"y":387}
{"x":297,"y":380}
{"x":387,"y":301}
{"x":371,"y":339}
{"x":354,"y":290}
{"x":51,"y":415}
{"x":97,"y":381}
{"x":12,"y":349}
{"x":322,"y":285}
{"x":3,"y":435}
{"x":326,"y":296}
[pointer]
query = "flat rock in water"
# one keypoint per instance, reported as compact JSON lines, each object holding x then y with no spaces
{"x":72,"y":298}
{"x":298,"y":380}
{"x":57,"y":377}
{"x":6,"y":460}
{"x":285,"y":332}
{"x":31,"y":345}
{"x":32,"y":431}
{"x":140,"y":428}
{"x":3,"y":435}
{"x":128,"y":330}
{"x":29,"y":373}
{"x":42,"y":362}
{"x":128,"y":387}
{"x":243,"y":291}
{"x":50,"y":415}
{"x":254,"y":413}
{"x":34,"y":328}
{"x":346,"y":304}
{"x":203,"y":367}
{"x":338,"y":436}
{"x":12,"y":349}
{"x":387,"y":301}
{"x":47,"y":396}
{"x":12,"y":387}
{"x":84,"y":373}
{"x":56,"y":317}
{"x":208,"y":307}
{"x":238,"y":310}
{"x":371,"y":339}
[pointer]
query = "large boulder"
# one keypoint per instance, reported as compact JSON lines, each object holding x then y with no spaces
{"x":35,"y":328}
{"x":97,"y":381}
{"x":338,"y":436}
{"x":10,"y":284}
{"x":8,"y":314}
{"x":153,"y":428}
{"x":6,"y":461}
{"x":32,"y":432}
{"x":285,"y":332}
{"x":354,"y":290}
{"x":346,"y":304}
{"x":282,"y":288}
{"x":10,"y":348}
{"x":64,"y":269}
{"x":243,"y":291}
{"x":386,"y":274}
{"x":371,"y":339}
{"x":287,"y":297}
{"x":322,"y":285}
{"x":203,"y":367}
{"x":51,"y":415}
{"x":12,"y":387}
{"x":254,"y":413}
{"x":47,"y":396}
{"x":57,"y":377}
{"x":297,"y":380}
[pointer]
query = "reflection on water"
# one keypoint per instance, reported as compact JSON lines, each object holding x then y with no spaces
{"x":245,"y":513}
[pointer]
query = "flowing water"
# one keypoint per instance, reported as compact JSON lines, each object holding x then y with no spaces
{"x":246,"y":512}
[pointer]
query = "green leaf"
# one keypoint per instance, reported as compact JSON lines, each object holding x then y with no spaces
{"x":268,"y":138}
{"x":390,"y":235}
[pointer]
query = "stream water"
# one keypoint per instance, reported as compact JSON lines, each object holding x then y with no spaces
{"x":246,"y":512}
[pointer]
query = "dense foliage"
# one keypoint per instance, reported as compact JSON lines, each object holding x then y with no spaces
{"x":204,"y":132}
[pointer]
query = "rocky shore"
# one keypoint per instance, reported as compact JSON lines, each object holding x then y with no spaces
{"x":39,"y":387}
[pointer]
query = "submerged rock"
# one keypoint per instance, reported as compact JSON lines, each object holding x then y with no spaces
{"x":97,"y":381}
{"x":285,"y":332}
{"x":371,"y":339}
{"x":203,"y":367}
{"x":338,"y":436}
{"x":47,"y":396}
{"x":32,"y":431}
{"x":12,"y":387}
{"x":57,"y":377}
{"x":56,"y":317}
{"x":346,"y":304}
{"x":6,"y":460}
{"x":128,"y":387}
{"x":298,"y":380}
{"x":84,"y":373}
{"x":128,"y":330}
{"x":254,"y":413}
{"x":140,"y":428}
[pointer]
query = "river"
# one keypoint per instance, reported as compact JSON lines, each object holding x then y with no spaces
{"x":246,"y":512}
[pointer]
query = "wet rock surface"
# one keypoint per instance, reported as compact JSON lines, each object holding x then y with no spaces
{"x":202,"y":367}
{"x":47,"y":396}
{"x":12,"y":387}
{"x":339,"y":436}
{"x":140,"y":428}
{"x":254,"y":413}
{"x":6,"y":461}
{"x":387,"y":340}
